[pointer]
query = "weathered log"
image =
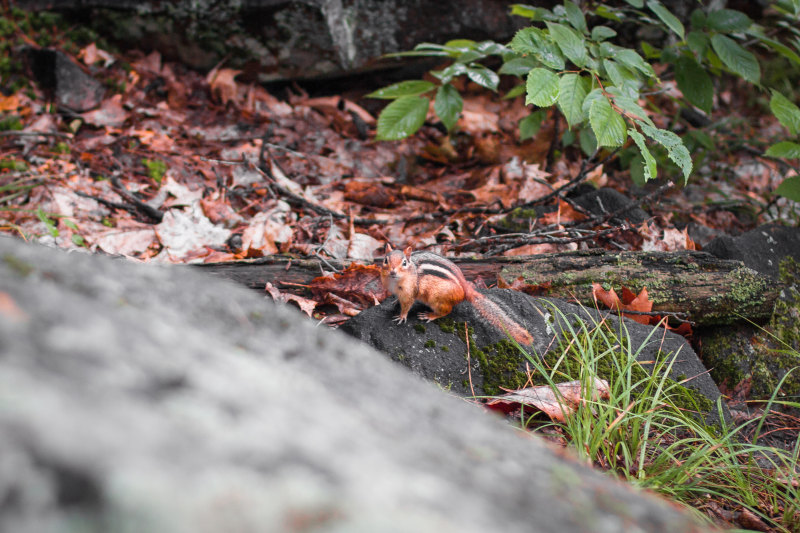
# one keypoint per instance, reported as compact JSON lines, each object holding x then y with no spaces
{"x":709,"y":290}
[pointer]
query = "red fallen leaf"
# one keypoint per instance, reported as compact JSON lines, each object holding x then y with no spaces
{"x":369,"y":193}
{"x":422,"y":195}
{"x":329,"y":103}
{"x":9,"y":103}
{"x":556,"y":406}
{"x":359,"y":283}
{"x":564,"y":213}
{"x":223,"y":86}
{"x":612,"y":301}
{"x":528,"y":288}
{"x":306,"y":305}
{"x":110,"y":113}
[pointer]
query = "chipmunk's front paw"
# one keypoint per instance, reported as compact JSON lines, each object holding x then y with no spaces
{"x":399,"y":319}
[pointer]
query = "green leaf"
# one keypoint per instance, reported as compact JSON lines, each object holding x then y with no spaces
{"x":575,"y":16}
{"x":790,"y":188}
{"x":608,"y":125}
{"x":638,"y":4}
{"x":694,"y":82}
{"x":541,"y":87}
{"x":404,"y":88}
{"x":601,"y":33}
{"x":649,"y":168}
{"x":530,"y":125}
{"x":47,"y":221}
{"x":571,"y":93}
{"x":515,"y":91}
{"x":587,"y":141}
{"x":608,"y":12}
{"x":448,"y":105}
{"x":786,"y":112}
{"x":697,"y":19}
{"x":698,"y":42}
{"x":519,"y":66}
{"x":447,"y":74}
{"x":667,"y":17}
{"x":629,"y":105}
{"x":402,"y":118}
{"x":530,"y":12}
{"x":571,"y":43}
{"x":674,"y":145}
{"x":784,"y":150}
{"x":781,"y":48}
{"x":633,"y":60}
{"x":736,"y":58}
{"x":483,"y":76}
{"x":728,"y":20}
{"x":78,"y":239}
{"x":534,"y":42}
{"x":70,"y":224}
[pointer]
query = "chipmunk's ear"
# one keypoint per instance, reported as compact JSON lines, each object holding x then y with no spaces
{"x":407,"y":251}
{"x":388,"y":248}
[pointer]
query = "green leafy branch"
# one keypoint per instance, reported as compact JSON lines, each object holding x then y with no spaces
{"x":594,"y":83}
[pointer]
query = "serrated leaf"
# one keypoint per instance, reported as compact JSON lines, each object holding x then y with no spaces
{"x":447,"y":74}
{"x":402,"y":118}
{"x":571,"y":43}
{"x":530,"y":125}
{"x":575,"y":16}
{"x":633,"y":60}
{"x":519,"y":66}
{"x":534,"y":42}
{"x":404,"y":88}
{"x":790,"y":188}
{"x":674,"y":145}
{"x":541,"y":87}
{"x":784,"y":150}
{"x":728,"y":20}
{"x":571,"y":93}
{"x":786,"y":112}
{"x":694,"y":82}
{"x":666,"y":17}
{"x":736,"y":58}
{"x":448,"y":105}
{"x":594,"y":94}
{"x":650,"y":168}
{"x":631,"y":107}
{"x":698,"y":42}
{"x":483,"y":76}
{"x":608,"y":126}
{"x":601,"y":33}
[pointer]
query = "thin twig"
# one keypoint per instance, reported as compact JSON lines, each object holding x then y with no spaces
{"x":18,"y":133}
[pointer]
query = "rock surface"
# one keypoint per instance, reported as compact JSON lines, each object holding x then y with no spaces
{"x":438,"y":354}
{"x":761,"y":249}
{"x":142,"y":398}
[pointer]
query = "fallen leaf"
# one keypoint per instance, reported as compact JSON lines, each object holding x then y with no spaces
{"x":110,"y":113}
{"x":631,"y":302}
{"x":306,"y":305}
{"x":556,"y":405}
{"x":223,"y":86}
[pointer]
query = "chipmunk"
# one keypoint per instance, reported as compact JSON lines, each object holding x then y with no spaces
{"x":439,"y":283}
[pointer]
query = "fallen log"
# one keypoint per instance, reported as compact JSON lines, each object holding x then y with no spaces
{"x":709,"y":290}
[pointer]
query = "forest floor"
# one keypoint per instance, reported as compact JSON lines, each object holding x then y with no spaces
{"x":177,"y":167}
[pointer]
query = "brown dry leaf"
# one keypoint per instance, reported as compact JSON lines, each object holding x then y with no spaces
{"x":110,"y":113}
{"x":368,"y":192}
{"x":564,"y":213}
{"x":9,"y":103}
{"x":331,"y":104}
{"x":266,"y":229}
{"x":306,"y":305}
{"x":556,"y":406}
{"x":359,"y":283}
{"x":668,"y":240}
{"x":10,"y":309}
{"x":421,"y":195}
{"x":533,"y":249}
{"x":629,"y":302}
{"x":91,"y":55}
{"x":223,"y":86}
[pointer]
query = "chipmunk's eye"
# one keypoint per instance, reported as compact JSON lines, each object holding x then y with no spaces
{"x":405,"y":263}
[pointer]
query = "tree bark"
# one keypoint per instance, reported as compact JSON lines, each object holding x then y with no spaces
{"x":709,"y":290}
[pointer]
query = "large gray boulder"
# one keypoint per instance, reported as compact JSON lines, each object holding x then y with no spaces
{"x":143,"y":398}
